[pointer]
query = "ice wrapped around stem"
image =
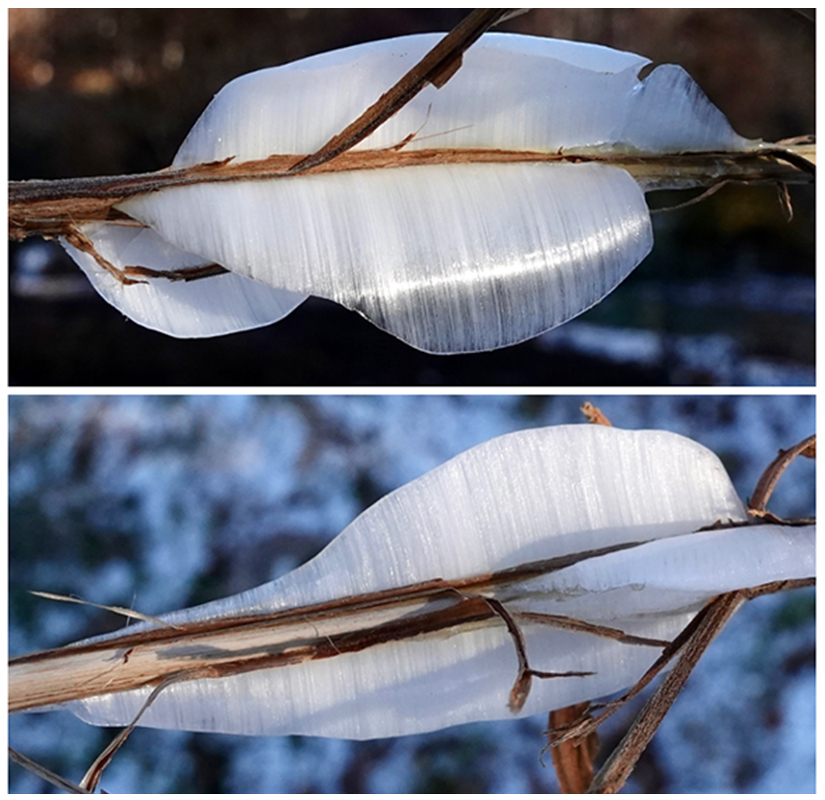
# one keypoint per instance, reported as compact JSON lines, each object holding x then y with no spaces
{"x":592,"y":524}
{"x":449,"y":257}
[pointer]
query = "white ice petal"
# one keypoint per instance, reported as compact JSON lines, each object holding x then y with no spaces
{"x":526,"y":496}
{"x":671,"y":575}
{"x":413,"y":686}
{"x":458,"y":258}
{"x":512,"y":92}
{"x":207,"y":307}
{"x":454,"y":258}
{"x":523,"y":497}
{"x":669,"y":113}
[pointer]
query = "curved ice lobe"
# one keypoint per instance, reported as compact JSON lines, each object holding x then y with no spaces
{"x":452,"y":258}
{"x":513,"y":92}
{"x":669,"y":113}
{"x":184,"y":309}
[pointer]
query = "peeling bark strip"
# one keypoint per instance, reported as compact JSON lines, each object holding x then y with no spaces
{"x":46,"y":774}
{"x":234,"y":645}
{"x":51,"y":208}
{"x":230,"y":646}
{"x":574,"y":762}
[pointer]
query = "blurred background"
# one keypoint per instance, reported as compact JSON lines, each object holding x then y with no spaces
{"x":726,"y":298}
{"x":159,"y":503}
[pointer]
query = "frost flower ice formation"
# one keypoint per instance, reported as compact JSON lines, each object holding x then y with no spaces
{"x":478,"y":216}
{"x":399,"y":625}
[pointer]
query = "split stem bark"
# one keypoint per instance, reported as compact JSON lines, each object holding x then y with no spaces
{"x":52,"y":207}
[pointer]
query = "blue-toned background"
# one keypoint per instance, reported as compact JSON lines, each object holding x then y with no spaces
{"x":163,"y":502}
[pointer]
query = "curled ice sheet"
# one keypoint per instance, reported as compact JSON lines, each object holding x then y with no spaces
{"x":450,"y":259}
{"x":513,"y":92}
{"x":620,"y":585}
{"x":208,"y":307}
{"x":528,"y":496}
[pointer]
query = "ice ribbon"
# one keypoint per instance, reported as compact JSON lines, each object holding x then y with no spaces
{"x":388,"y":630}
{"x":449,"y":257}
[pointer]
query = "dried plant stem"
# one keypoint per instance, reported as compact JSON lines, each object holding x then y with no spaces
{"x":616,"y":770}
{"x":574,"y":760}
{"x":92,"y":777}
{"x":55,"y":208}
{"x":436,"y":68}
{"x":773,"y":472}
{"x":121,"y":610}
{"x":521,"y":687}
{"x":46,"y":774}
{"x":690,"y":645}
{"x":234,"y":645}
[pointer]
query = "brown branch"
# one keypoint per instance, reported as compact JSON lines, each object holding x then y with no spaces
{"x":574,"y":761}
{"x":773,"y":472}
{"x":233,"y":645}
{"x":51,"y":208}
{"x":594,"y":415}
{"x":437,"y":67}
{"x":616,"y":770}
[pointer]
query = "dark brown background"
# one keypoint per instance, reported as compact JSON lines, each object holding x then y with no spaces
{"x":97,"y":91}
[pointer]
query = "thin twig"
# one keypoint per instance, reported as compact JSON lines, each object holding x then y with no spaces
{"x":795,"y":157}
{"x":524,"y":679}
{"x":95,"y":771}
{"x":709,"y":192}
{"x":616,"y":770}
{"x":121,"y":610}
{"x":580,"y":626}
{"x":46,"y":774}
{"x":587,"y":723}
{"x":436,"y":68}
{"x":767,"y":482}
{"x":785,"y":203}
{"x":594,"y":415}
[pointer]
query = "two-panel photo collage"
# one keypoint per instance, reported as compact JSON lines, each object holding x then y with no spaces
{"x":411,"y":401}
